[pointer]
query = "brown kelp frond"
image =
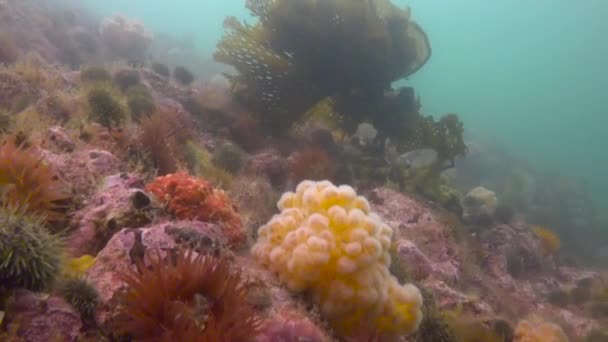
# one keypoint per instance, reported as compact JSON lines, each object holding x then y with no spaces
{"x":27,"y":181}
{"x":187,"y":297}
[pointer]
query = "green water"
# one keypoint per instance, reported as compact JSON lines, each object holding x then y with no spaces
{"x":531,"y":74}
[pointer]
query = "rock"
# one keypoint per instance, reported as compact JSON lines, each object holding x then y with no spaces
{"x":40,"y":317}
{"x":57,"y":139}
{"x":83,"y":168}
{"x":129,"y":245}
{"x":428,"y":241}
{"x":290,"y":326}
{"x":418,"y":265}
{"x":120,"y":203}
{"x":102,"y":162}
{"x":577,"y":325}
{"x":448,"y":298}
{"x":255,"y":199}
{"x":479,"y":205}
{"x":512,"y":252}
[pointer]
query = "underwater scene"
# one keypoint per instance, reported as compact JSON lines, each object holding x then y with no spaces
{"x":303,"y":171}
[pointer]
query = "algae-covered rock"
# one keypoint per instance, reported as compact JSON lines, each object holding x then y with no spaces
{"x":479,"y":205}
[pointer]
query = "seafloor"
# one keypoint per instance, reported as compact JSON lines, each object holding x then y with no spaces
{"x":135,"y":179}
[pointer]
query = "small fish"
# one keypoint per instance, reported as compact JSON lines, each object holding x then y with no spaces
{"x":418,"y":158}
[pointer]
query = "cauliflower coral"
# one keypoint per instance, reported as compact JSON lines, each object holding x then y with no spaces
{"x":193,"y":198}
{"x":327,"y":241}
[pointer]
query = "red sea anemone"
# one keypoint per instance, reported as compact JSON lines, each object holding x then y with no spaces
{"x":187,"y":297}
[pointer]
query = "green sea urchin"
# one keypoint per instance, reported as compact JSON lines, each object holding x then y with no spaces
{"x":80,"y":294}
{"x":30,"y":257}
{"x":104,"y":109}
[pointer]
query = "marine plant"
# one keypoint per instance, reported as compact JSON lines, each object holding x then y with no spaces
{"x":430,"y":183}
{"x":549,"y":240}
{"x":229,"y":157}
{"x":312,"y":164}
{"x":183,"y":75}
{"x":140,"y":101}
{"x":95,"y":74}
{"x":474,"y":329}
{"x":193,"y":198}
{"x":80,"y":294}
{"x":163,"y":135}
{"x":56,"y":106}
{"x":104,"y":108}
{"x":245,"y":132}
{"x":161,"y":69}
{"x":34,"y":70}
{"x":29,"y":182}
{"x":300,"y":53}
{"x":326,"y":241}
{"x":126,"y":78}
{"x":434,"y":326}
{"x":5,"y":122}
{"x":187,"y":297}
{"x":126,"y":38}
{"x":200,"y":163}
{"x":156,"y":141}
{"x":30,"y":257}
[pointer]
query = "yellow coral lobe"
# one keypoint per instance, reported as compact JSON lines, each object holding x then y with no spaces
{"x":549,"y":241}
{"x":327,"y":241}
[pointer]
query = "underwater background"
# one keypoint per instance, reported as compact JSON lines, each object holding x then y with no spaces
{"x":529,"y":75}
{"x":319,"y":170}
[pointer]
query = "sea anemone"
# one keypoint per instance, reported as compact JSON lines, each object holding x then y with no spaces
{"x":187,"y":297}
{"x":27,"y":181}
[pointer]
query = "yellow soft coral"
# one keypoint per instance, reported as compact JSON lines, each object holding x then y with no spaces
{"x":326,"y":240}
{"x":537,"y":330}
